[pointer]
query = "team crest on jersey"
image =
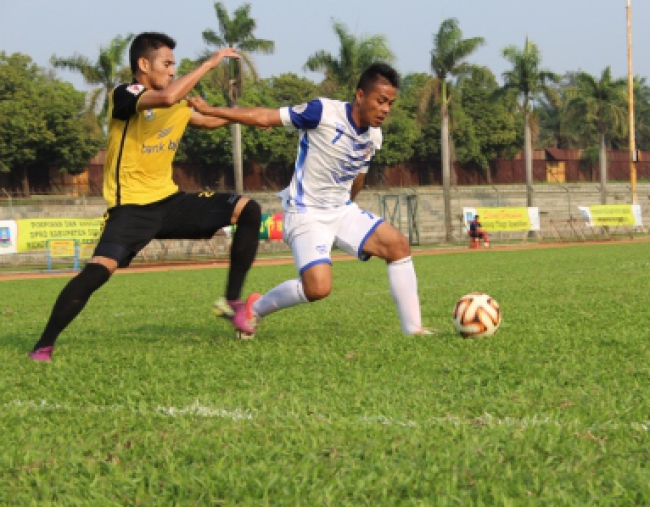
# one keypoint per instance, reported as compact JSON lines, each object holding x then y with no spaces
{"x":135,"y":88}
{"x":299,"y":109}
{"x":149,"y":115}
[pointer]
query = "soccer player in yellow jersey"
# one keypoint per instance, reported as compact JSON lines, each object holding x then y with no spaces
{"x":147,"y":118}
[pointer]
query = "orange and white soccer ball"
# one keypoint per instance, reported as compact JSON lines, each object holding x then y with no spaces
{"x":476,"y":315}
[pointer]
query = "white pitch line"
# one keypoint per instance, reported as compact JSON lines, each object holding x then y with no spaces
{"x":196,"y":409}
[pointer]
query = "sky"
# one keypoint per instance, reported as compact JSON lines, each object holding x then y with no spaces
{"x":572,"y":35}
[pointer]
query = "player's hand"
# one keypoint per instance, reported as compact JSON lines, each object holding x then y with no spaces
{"x":215,"y":58}
{"x":197,"y":103}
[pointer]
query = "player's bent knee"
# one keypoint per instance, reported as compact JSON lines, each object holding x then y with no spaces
{"x":251,"y":212}
{"x":315,"y":291}
{"x":110,"y":264}
{"x":316,"y":295}
{"x":399,"y":248}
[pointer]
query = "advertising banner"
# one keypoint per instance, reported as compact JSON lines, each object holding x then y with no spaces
{"x":270,"y":228}
{"x":612,"y":215}
{"x":275,"y":226}
{"x":504,"y":219}
{"x":8,"y":237}
{"x":34,"y":233}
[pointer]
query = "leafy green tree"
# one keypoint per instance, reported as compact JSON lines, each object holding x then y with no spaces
{"x":448,"y":59}
{"x":528,"y":82}
{"x":355,"y":54}
{"x":602,"y":104}
{"x":106,"y":72}
{"x":277,"y":147}
{"x":426,"y":148}
{"x":400,"y":132}
{"x":553,"y":129}
{"x":237,"y":32}
{"x":642,"y":113}
{"x":56,"y":130}
{"x":495,"y":132}
{"x":274,"y":149}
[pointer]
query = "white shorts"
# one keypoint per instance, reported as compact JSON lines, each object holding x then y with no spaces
{"x":312,"y":235}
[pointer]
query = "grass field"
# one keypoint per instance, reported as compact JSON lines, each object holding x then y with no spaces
{"x":150,"y":401}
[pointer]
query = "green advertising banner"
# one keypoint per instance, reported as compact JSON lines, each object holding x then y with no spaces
{"x":34,"y":233}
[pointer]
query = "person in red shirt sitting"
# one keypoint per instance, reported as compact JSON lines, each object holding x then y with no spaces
{"x":477,"y":232}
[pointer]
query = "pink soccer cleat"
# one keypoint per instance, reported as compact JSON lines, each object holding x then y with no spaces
{"x":245,"y":320}
{"x":44,"y":354}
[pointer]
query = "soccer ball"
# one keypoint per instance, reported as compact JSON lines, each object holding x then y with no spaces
{"x":476,"y":315}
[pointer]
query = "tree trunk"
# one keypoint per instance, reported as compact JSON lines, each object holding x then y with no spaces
{"x":25,"y":183}
{"x":602,"y":164}
{"x":453,"y":179}
{"x":528,"y":156}
{"x":446,"y":172}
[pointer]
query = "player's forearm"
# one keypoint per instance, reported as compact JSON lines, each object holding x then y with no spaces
{"x":181,"y":87}
{"x":202,"y":121}
{"x":252,"y":116}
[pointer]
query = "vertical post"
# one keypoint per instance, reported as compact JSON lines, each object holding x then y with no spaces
{"x":630,"y":100}
{"x":238,"y":164}
{"x":235,"y":89}
{"x":528,"y":156}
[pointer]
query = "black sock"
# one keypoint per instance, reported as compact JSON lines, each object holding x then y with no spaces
{"x":243,"y":248}
{"x":71,"y":301}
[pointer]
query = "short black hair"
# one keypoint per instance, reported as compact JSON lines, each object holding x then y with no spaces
{"x":145,"y":43}
{"x":378,"y":72}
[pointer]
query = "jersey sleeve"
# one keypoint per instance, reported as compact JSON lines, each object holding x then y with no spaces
{"x":125,"y":100}
{"x":302,"y":117}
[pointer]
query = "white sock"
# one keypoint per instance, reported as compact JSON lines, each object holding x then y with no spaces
{"x":285,"y":295}
{"x":404,"y":289}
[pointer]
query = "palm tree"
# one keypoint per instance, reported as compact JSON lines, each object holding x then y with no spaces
{"x":602,"y":103}
{"x":642,"y":113}
{"x":355,"y":54}
{"x":448,"y":59}
{"x":237,"y":32}
{"x":107,"y":72}
{"x":528,"y":82}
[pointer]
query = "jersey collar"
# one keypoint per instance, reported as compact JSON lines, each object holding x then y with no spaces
{"x":348,"y":111}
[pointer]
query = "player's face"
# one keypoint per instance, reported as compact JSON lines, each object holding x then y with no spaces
{"x":160,"y":69}
{"x":375,"y":105}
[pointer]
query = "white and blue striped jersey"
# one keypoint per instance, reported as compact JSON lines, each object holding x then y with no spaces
{"x":332,"y":152}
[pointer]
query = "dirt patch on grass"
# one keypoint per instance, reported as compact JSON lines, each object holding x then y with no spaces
{"x":273,"y":261}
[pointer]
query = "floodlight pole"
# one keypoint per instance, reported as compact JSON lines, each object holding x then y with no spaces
{"x":630,"y":100}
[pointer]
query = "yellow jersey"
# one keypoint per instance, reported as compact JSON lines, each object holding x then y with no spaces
{"x":141,"y":148}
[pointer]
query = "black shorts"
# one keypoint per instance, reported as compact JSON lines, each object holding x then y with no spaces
{"x":129,"y":228}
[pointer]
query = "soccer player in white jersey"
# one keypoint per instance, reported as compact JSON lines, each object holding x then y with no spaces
{"x":337,"y":141}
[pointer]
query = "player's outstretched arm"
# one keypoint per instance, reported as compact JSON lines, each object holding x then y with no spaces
{"x":253,"y":116}
{"x":178,"y":90}
{"x":202,"y":121}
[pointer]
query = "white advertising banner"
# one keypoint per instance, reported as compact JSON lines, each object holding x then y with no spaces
{"x":605,"y":215}
{"x":8,"y":237}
